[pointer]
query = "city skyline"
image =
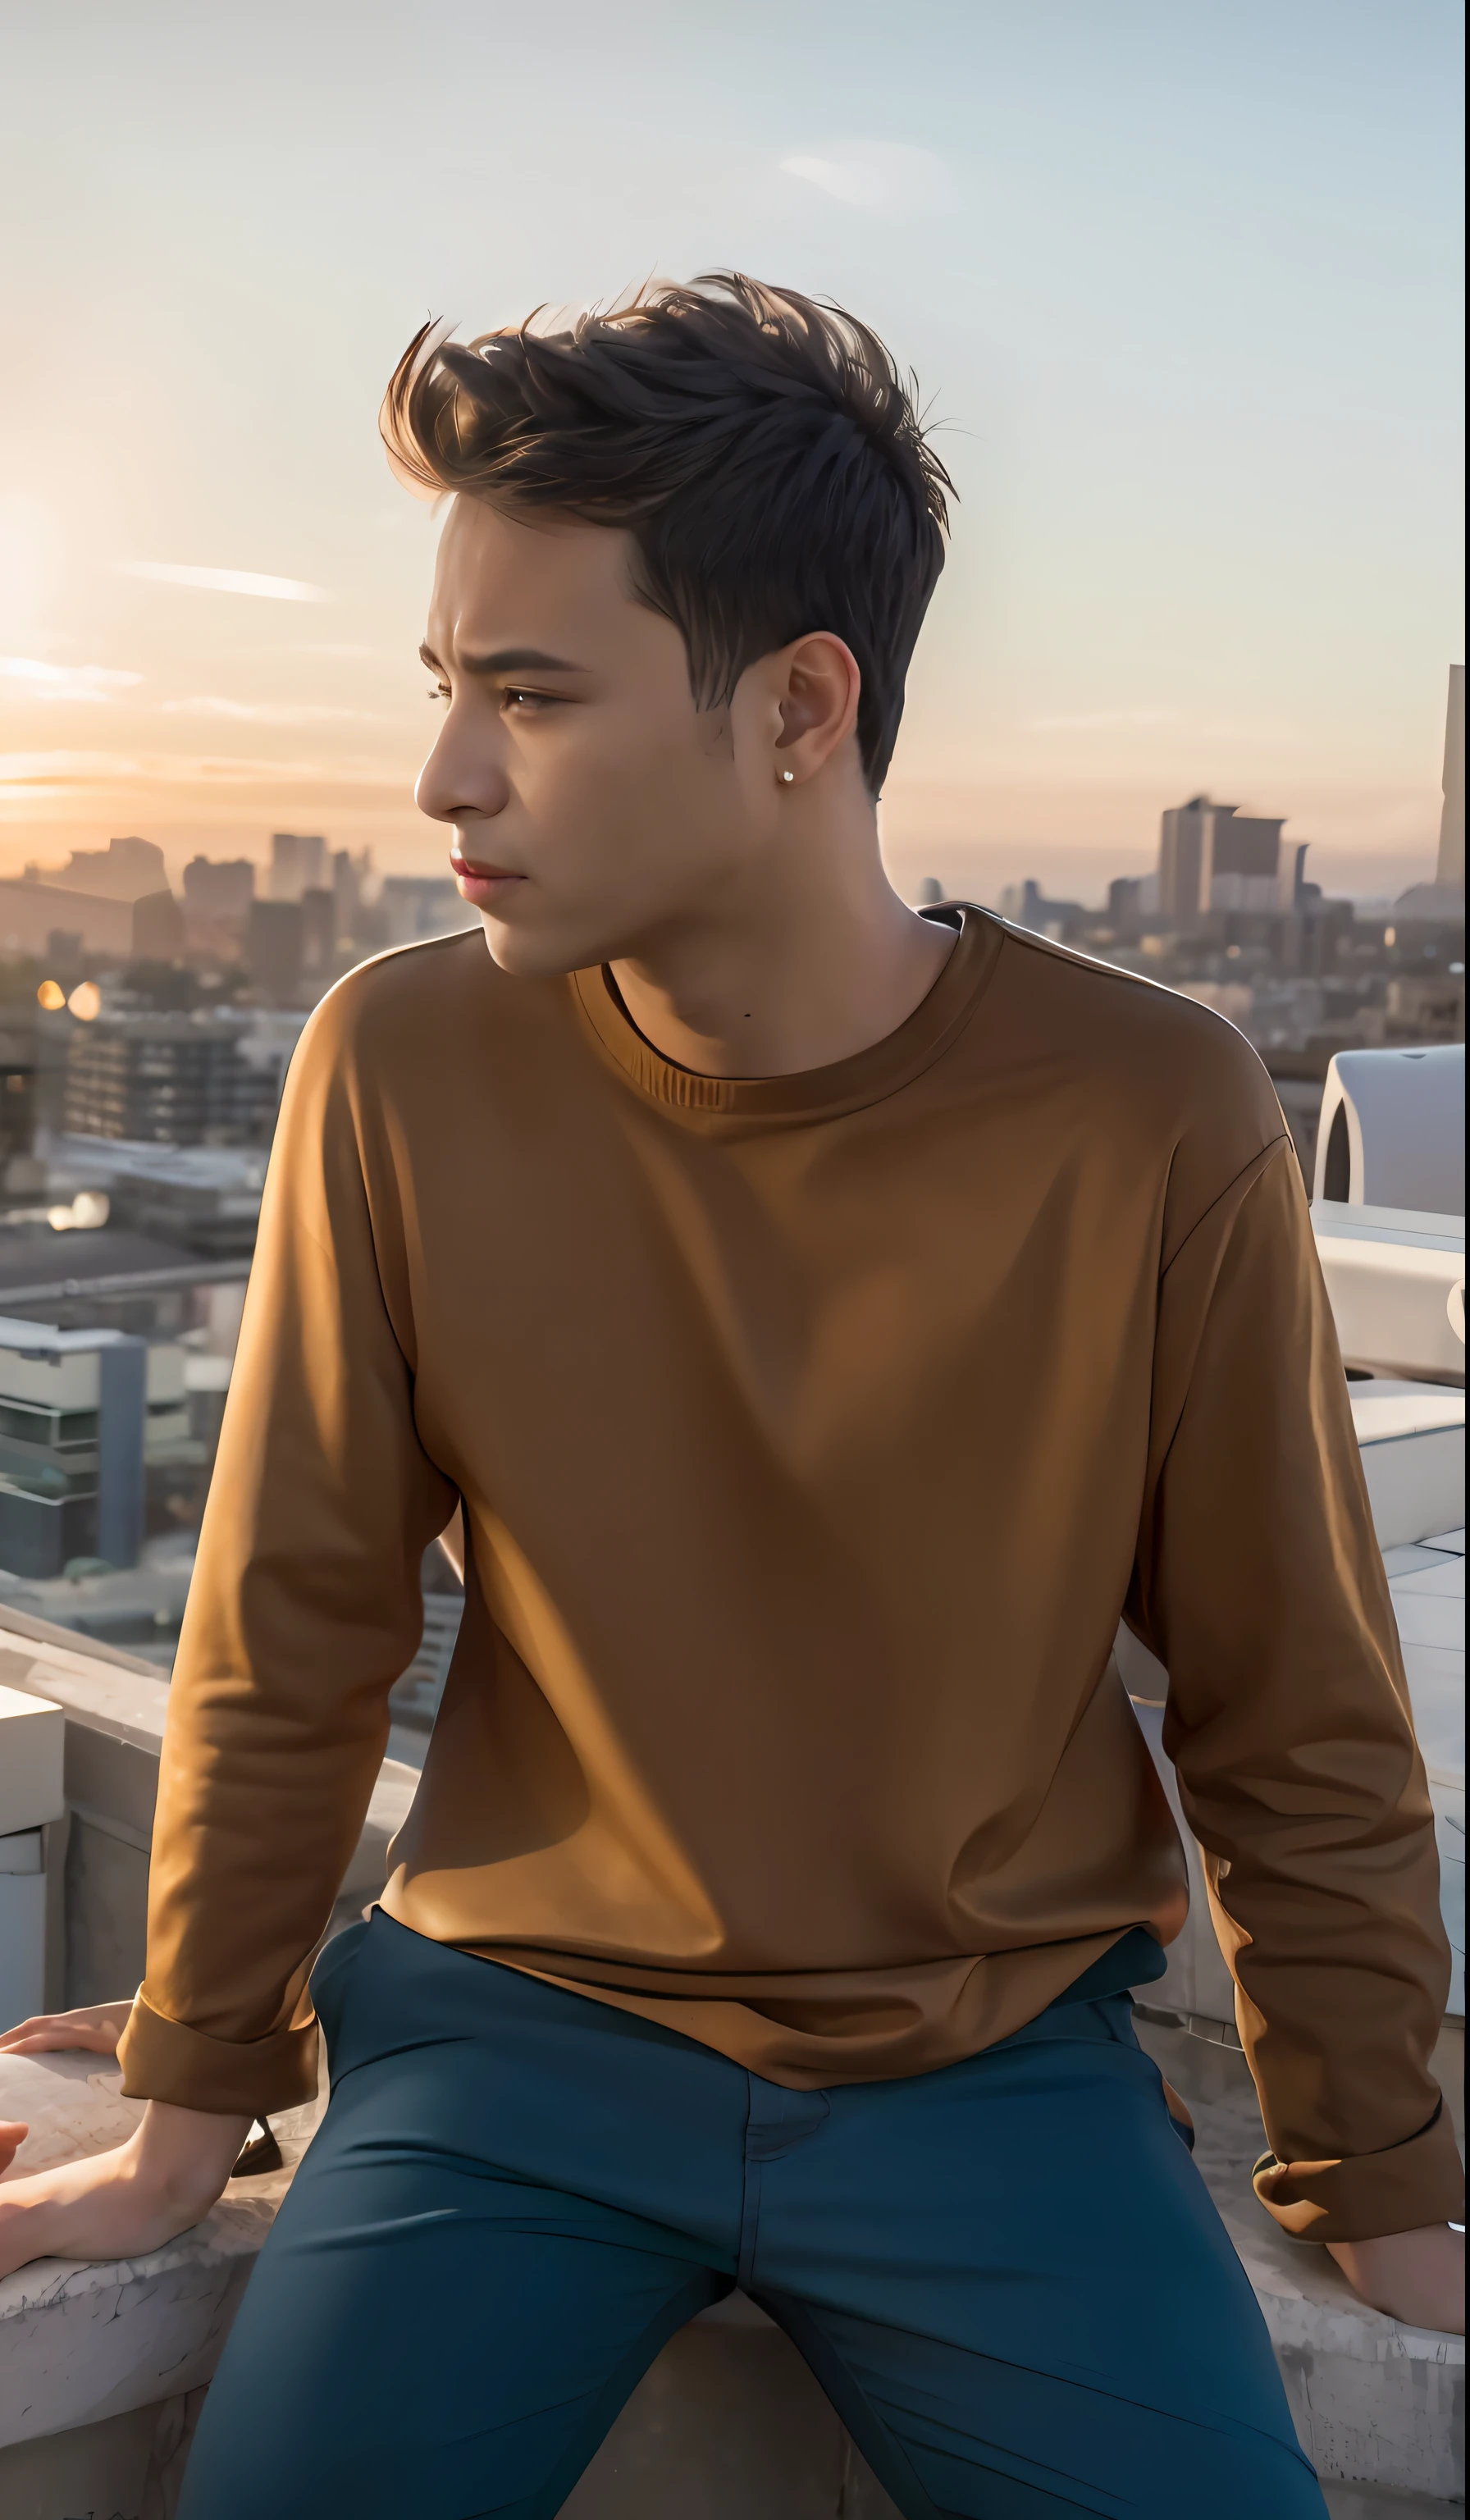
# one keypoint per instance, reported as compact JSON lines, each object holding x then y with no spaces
{"x":1205,"y":431}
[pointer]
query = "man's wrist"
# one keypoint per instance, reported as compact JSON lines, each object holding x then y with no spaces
{"x":182,"y":2157}
{"x":1418,"y":2277}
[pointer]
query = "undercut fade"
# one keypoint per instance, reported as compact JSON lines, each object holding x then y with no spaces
{"x":761,"y":450}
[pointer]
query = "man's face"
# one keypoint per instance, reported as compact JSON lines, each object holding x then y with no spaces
{"x":593,"y":807}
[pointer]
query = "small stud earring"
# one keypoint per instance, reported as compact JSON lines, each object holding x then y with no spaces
{"x":787,"y":776}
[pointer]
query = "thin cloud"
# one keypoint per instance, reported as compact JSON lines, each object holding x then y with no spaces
{"x":266,"y":712}
{"x":225,"y":581}
{"x":341,"y":649}
{"x":1101,"y":721}
{"x":45,"y":682}
{"x":46,"y":769}
{"x":873,"y":174}
{"x":24,"y":772}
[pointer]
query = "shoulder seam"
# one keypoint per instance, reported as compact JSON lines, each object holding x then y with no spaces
{"x":1257,"y":1164}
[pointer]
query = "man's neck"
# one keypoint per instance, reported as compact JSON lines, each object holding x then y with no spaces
{"x":805,"y":966}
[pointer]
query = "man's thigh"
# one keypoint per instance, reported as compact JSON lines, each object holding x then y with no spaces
{"x":1012,"y":2282}
{"x":427,"y":2337}
{"x":460,"y":2290}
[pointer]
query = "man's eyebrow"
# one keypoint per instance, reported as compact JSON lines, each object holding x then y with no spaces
{"x":507,"y":660}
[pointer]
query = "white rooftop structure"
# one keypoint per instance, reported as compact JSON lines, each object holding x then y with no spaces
{"x":1392,"y":1132}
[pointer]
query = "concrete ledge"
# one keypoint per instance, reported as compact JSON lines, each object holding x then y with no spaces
{"x":729,"y":2422}
{"x":1374,"y":2402}
{"x":80,"y":2343}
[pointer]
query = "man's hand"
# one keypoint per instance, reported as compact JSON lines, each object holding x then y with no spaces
{"x":94,"y":2026}
{"x":120,"y":2204}
{"x":1418,"y":2276}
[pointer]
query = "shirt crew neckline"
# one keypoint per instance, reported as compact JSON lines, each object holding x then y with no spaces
{"x":726,"y":1102}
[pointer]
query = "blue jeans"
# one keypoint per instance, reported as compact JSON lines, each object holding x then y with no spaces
{"x":1007,"y":2274}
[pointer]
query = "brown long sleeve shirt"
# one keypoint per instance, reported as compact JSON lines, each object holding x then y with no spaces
{"x":810,"y":1434}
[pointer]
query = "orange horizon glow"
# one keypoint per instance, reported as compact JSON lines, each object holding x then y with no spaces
{"x":1205,"y":434}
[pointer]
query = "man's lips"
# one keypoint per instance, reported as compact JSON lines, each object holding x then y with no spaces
{"x":471,"y":870}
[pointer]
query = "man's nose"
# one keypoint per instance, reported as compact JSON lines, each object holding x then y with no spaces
{"x":461,"y":780}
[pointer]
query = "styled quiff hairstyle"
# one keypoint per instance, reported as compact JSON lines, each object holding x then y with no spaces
{"x":761,"y":450}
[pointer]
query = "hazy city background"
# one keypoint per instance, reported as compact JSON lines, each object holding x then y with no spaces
{"x":1182,"y":284}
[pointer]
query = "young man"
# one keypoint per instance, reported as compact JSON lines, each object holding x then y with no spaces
{"x":828,"y":1320}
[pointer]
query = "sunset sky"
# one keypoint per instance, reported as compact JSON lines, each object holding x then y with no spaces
{"x":1181,"y":278}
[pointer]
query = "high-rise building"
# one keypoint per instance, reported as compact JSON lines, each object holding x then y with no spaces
{"x":415,"y":907}
{"x":219,"y":887}
{"x":318,"y":930}
{"x":347,"y":875}
{"x":1450,"y":869}
{"x":159,"y":930}
{"x":1181,"y":844}
{"x":273,"y":947}
{"x":298,"y":863}
{"x":1242,"y":864}
{"x":1215,"y":858}
{"x":1130,"y":899}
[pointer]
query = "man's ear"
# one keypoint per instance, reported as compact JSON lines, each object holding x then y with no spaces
{"x":817,"y":688}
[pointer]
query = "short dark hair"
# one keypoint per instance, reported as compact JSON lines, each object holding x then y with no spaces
{"x":761,"y":449}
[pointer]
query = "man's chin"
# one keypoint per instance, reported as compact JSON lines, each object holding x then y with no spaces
{"x":537,"y":954}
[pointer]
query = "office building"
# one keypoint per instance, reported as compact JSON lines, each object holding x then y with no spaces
{"x":318,"y":932}
{"x":82,"y":1412}
{"x":167,"y":1080}
{"x":1130,"y":900}
{"x":219,"y":887}
{"x":158,"y":928}
{"x":298,"y":863}
{"x":1213,"y":858}
{"x":273,"y":947}
{"x":415,"y":907}
{"x":349,"y":882}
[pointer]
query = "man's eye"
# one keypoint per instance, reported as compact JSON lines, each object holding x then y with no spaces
{"x":516,"y":698}
{"x":438,"y":690}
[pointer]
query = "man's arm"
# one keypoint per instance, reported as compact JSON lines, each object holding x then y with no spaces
{"x":1261,"y":1586}
{"x":304,"y":1608}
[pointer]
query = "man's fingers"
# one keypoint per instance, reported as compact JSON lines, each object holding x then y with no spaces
{"x":98,"y":2043}
{"x":13,"y":2134}
{"x":49,"y":2031}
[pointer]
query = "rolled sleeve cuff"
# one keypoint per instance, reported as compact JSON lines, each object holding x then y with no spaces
{"x":166,"y":2060}
{"x":1408,"y":2187}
